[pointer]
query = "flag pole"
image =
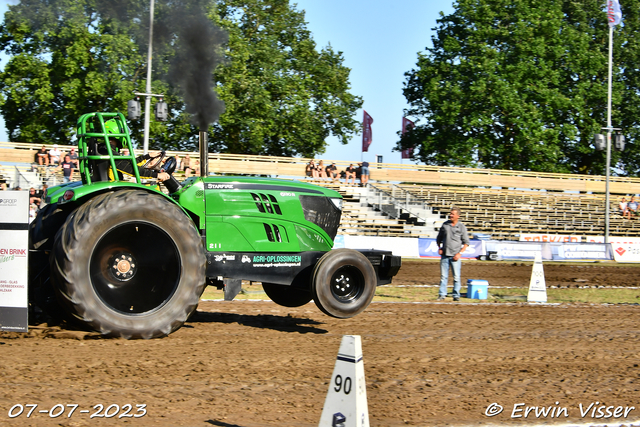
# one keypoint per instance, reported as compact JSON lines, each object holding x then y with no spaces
{"x":607,"y":204}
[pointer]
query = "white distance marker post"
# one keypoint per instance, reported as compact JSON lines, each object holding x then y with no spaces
{"x":346,"y":402}
{"x":537,"y":286}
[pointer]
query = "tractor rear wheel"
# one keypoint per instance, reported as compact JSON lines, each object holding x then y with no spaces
{"x":287,"y":296}
{"x":344,"y":283}
{"x":129,"y":264}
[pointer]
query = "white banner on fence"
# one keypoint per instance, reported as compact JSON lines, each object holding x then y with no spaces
{"x":519,"y":250}
{"x":625,"y":249}
{"x":14,"y":250}
{"x":626,"y":252}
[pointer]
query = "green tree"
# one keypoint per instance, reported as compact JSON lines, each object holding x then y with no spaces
{"x":522,"y":84}
{"x":282,"y":95}
{"x":63,"y":62}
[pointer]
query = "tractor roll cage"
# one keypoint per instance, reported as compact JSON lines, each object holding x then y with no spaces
{"x":91,"y":132}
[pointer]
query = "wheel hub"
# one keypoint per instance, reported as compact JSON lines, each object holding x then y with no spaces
{"x":123,"y":266}
{"x":342,"y":286}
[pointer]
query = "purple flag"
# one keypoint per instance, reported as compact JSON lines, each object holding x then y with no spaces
{"x":406,"y":125}
{"x":367,"y":120}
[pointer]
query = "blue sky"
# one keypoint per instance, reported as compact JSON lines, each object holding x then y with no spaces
{"x":380,"y":40}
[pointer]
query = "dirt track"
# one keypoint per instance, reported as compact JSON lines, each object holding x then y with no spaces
{"x":257,"y":364}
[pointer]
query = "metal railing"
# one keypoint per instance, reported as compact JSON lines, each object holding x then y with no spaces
{"x":398,"y":202}
{"x":380,"y":166}
{"x":18,"y":177}
{"x":392,"y":172}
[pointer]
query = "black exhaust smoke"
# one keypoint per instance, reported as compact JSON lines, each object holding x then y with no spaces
{"x":183,"y":31}
{"x":197,"y":55}
{"x":192,"y":69}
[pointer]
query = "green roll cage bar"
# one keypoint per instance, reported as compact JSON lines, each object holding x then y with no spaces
{"x":91,"y":125}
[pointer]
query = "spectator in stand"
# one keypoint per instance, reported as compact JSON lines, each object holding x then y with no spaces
{"x":632,"y":207}
{"x":350,"y":173}
{"x":310,"y":170}
{"x":67,"y":169}
{"x":42,"y":157}
{"x":622,"y":206}
{"x":73,"y":155}
{"x":186,"y":166}
{"x":54,"y":155}
{"x":42,"y":193}
{"x":33,"y":212}
{"x":34,"y":198}
{"x":321,"y":172}
{"x":332,"y":171}
{"x":364,"y":173}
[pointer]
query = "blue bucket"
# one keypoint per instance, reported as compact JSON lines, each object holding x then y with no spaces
{"x":477,"y":289}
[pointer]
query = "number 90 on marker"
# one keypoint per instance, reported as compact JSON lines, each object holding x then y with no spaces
{"x":342,"y":384}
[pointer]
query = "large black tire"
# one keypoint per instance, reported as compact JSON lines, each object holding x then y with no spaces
{"x":43,"y":306}
{"x":287,"y":296}
{"x":129,"y":264}
{"x":343,"y":283}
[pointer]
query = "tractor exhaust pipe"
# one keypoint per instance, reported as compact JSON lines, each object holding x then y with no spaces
{"x":204,"y":154}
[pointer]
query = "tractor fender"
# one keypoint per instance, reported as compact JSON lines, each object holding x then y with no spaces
{"x":82,"y":193}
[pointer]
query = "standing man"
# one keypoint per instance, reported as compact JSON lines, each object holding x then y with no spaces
{"x":452,"y":240}
{"x":364,"y":173}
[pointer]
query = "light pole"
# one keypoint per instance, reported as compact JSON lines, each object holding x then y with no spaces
{"x":147,"y":96}
{"x":614,"y":16}
{"x":133,"y":105}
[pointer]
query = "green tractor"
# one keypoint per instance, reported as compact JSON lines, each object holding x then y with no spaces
{"x":129,"y":260}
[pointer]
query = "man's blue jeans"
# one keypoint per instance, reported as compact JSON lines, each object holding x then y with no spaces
{"x":446,"y":263}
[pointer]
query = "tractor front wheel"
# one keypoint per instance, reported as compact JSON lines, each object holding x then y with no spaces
{"x":344,"y":283}
{"x":129,"y":264}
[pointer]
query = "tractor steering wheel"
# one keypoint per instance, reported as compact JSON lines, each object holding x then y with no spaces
{"x":170,"y":165}
{"x":155,"y":163}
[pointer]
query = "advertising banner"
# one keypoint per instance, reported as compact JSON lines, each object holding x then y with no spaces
{"x":429,"y":248}
{"x":625,"y":249}
{"x":541,"y":237}
{"x":519,"y":250}
{"x":626,"y":252}
{"x":14,"y":237}
{"x":581,"y":251}
{"x":551,"y":251}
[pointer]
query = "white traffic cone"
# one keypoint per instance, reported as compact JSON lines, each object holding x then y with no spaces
{"x":537,"y":286}
{"x":346,"y":402}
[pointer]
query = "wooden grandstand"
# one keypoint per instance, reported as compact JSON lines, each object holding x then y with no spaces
{"x":505,"y":214}
{"x":502,"y":204}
